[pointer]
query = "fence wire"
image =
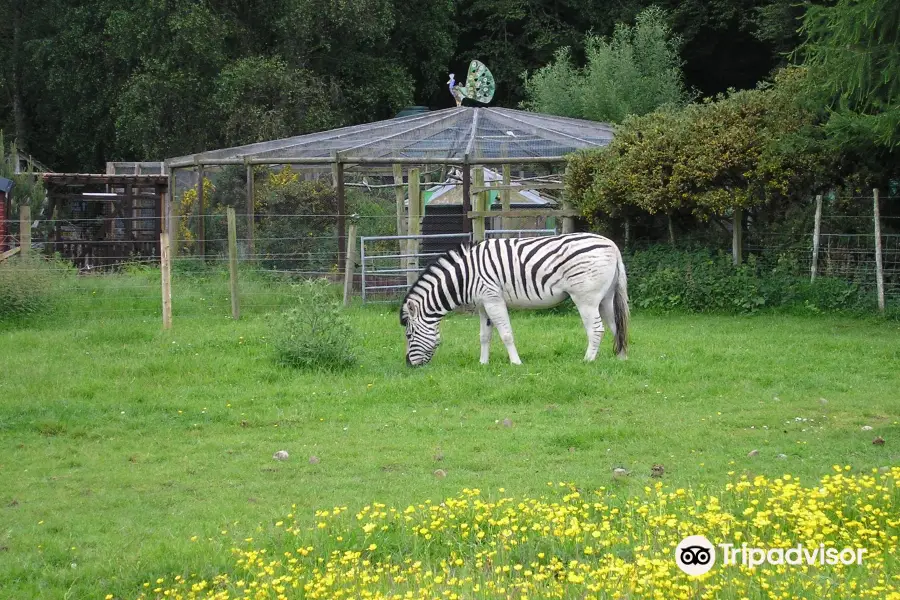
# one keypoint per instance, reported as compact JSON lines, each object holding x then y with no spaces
{"x":112,"y":263}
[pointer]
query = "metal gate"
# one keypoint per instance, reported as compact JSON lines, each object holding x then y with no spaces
{"x":385,"y":262}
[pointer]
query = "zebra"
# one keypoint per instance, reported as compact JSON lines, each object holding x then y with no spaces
{"x":530,"y":273}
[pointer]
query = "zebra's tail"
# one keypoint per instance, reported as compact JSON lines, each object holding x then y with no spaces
{"x":620,"y":310}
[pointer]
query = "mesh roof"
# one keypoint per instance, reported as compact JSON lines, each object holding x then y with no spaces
{"x":453,"y":134}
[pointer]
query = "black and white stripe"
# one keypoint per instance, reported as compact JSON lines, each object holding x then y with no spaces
{"x":523,"y":273}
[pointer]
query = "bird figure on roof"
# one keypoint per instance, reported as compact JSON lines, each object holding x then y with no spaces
{"x":479,"y":86}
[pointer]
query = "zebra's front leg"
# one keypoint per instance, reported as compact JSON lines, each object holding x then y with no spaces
{"x":499,"y":317}
{"x":593,"y":326}
{"x":487,"y":332}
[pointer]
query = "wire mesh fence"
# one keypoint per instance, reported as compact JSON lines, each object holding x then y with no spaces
{"x":112,"y":263}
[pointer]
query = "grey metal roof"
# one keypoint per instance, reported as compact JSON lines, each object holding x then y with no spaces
{"x":451,"y":135}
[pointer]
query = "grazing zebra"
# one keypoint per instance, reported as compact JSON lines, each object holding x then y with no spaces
{"x":522,"y":273}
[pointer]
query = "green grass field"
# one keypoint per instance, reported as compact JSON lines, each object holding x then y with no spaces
{"x":128,"y":453}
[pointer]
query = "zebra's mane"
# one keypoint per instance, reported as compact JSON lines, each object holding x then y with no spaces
{"x":459,"y":249}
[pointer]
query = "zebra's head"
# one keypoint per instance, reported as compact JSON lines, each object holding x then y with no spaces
{"x":422,"y":335}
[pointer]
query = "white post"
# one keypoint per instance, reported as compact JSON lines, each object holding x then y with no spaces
{"x":816,"y":228}
{"x":879,"y":269}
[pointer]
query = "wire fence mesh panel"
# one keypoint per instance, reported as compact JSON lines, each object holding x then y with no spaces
{"x":287,"y":226}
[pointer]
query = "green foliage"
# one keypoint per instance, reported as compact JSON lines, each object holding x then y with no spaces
{"x":262,"y":98}
{"x":663,"y":279}
{"x":852,"y":48}
{"x":30,"y":286}
{"x":743,"y":149}
{"x":28,"y":189}
{"x":315,"y":333}
{"x":297,"y":229}
{"x":633,"y":73}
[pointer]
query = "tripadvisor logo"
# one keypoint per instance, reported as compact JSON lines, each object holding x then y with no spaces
{"x":696,"y":555}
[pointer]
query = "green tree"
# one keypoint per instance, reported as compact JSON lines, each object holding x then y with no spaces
{"x":716,"y":158}
{"x":260,"y":98}
{"x":852,"y":49}
{"x":633,"y":73}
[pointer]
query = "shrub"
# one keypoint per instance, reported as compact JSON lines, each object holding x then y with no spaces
{"x":662,"y":278}
{"x":30,"y":286}
{"x":315,"y":334}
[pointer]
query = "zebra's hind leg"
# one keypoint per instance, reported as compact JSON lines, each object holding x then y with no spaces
{"x":499,"y":316}
{"x":593,"y":325}
{"x":487,"y":332}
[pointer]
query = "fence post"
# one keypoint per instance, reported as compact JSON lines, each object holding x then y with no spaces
{"x":415,"y":227}
{"x":24,"y":230}
{"x":879,"y":268}
{"x":737,"y":236}
{"x":816,"y":229}
{"x":568,"y":223}
{"x":251,"y":212}
{"x":479,"y":224}
{"x":505,"y":199}
{"x":233,"y":263}
{"x":165,"y":268}
{"x":351,"y":260}
{"x":201,"y":204}
{"x":400,"y":196}
{"x":172,"y":221}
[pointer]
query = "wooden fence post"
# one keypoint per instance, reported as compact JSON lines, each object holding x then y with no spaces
{"x":166,"y":272}
{"x":415,"y":226}
{"x":201,"y":204}
{"x":400,"y":198}
{"x":233,"y":263}
{"x":479,"y":225}
{"x":337,"y":176}
{"x":25,"y":230}
{"x":737,"y":237}
{"x":817,"y":227}
{"x":351,"y":263}
{"x":879,"y":267}
{"x":251,"y":213}
{"x":568,"y":223}
{"x":505,"y":199}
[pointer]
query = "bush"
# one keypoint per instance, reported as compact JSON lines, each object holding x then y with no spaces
{"x":662,"y":278}
{"x":30,"y":286}
{"x":315,"y":334}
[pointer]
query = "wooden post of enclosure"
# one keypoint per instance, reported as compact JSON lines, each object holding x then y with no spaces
{"x":480,"y":194}
{"x":568,"y":223}
{"x":165,"y":268}
{"x":233,"y":262}
{"x":817,"y":227}
{"x":415,"y":226}
{"x":201,"y":235}
{"x":737,"y":237}
{"x":467,"y":195}
{"x":506,"y":192}
{"x":879,"y":267}
{"x":505,"y":199}
{"x":400,"y":197}
{"x":337,"y":174}
{"x":25,"y":230}
{"x":251,"y":213}
{"x":161,"y":208}
{"x":351,"y":263}
{"x":171,"y":220}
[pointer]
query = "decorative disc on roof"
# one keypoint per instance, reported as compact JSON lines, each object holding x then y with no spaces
{"x":479,"y":84}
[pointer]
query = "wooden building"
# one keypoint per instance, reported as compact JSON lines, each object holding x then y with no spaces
{"x":100,"y":220}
